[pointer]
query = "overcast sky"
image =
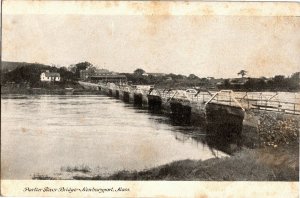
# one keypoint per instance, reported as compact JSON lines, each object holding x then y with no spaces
{"x":218,"y":46}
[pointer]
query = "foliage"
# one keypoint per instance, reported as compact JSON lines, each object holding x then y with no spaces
{"x":9,"y":66}
{"x":166,"y":81}
{"x":31,"y":74}
{"x":277,"y":83}
{"x":242,"y":73}
{"x":193,"y":77}
{"x":139,"y":72}
{"x":80,"y":66}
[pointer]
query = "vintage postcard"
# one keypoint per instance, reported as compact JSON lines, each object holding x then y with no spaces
{"x":150,"y":99}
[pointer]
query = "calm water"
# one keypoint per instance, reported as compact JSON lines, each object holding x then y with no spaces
{"x":42,"y":134}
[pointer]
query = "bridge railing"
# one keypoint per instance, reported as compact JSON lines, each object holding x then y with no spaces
{"x":201,"y":97}
{"x":245,"y":100}
{"x":270,"y":102}
{"x":225,"y":97}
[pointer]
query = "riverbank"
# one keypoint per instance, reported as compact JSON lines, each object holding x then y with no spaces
{"x":50,"y":90}
{"x":280,"y":164}
{"x":247,"y":165}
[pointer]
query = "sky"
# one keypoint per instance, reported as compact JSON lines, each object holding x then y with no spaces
{"x":204,"y":45}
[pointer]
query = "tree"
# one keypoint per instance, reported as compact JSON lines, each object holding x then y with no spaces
{"x":72,"y":68}
{"x":242,"y":73}
{"x":65,"y":75}
{"x":279,"y":82}
{"x":226,"y":83}
{"x":193,"y":76}
{"x":296,"y":76}
{"x":294,"y":81}
{"x":81,"y":66}
{"x":29,"y":73}
{"x":139,"y":72}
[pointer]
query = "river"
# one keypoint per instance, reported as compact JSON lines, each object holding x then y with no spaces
{"x":46,"y":134}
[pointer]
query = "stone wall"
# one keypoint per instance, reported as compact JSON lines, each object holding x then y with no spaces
{"x":270,"y":129}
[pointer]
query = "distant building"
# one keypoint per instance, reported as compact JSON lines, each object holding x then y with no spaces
{"x":112,"y":78}
{"x":50,"y":76}
{"x":103,"y":71}
{"x":102,"y":75}
{"x":213,"y":82}
{"x":238,"y":81}
{"x":86,"y":74}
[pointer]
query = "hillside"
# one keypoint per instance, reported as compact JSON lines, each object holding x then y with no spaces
{"x":30,"y":73}
{"x":7,"y":66}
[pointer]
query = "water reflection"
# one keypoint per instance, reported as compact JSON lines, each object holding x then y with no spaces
{"x":184,"y":130}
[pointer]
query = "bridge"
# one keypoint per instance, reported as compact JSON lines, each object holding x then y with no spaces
{"x":247,"y":100}
{"x":222,"y":109}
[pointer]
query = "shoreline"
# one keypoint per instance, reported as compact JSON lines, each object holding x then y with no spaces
{"x":247,"y":165}
{"x":47,"y":91}
{"x":15,"y":89}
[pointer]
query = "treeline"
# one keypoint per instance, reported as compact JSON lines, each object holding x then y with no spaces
{"x":277,"y":83}
{"x":167,"y":80}
{"x":30,"y":74}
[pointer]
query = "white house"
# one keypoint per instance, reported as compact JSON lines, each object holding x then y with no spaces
{"x":50,"y":76}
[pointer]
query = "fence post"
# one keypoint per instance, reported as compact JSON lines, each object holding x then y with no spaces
{"x":248,"y":100}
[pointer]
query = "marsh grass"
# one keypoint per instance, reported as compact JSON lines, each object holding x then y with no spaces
{"x":42,"y":177}
{"x":81,"y":168}
{"x":266,"y":164}
{"x":244,"y":166}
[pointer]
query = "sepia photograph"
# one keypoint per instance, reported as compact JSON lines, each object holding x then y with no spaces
{"x":157,"y":91}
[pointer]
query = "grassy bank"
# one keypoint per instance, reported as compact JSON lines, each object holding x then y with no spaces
{"x":268,"y":164}
{"x":245,"y":166}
